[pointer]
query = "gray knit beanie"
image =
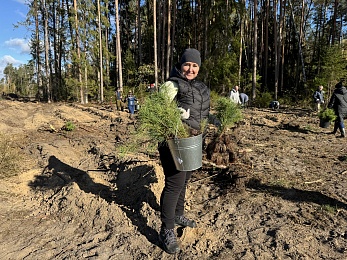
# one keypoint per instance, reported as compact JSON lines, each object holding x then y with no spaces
{"x":191,"y":55}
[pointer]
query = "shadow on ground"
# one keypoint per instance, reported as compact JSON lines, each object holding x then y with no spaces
{"x":132,"y":189}
{"x":296,"y":195}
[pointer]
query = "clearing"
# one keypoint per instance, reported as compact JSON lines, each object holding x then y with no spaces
{"x":77,"y":199}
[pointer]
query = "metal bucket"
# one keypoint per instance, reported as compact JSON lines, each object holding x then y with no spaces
{"x":186,"y":152}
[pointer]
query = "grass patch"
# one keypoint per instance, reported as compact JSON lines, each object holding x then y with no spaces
{"x":281,"y":183}
{"x":10,"y":156}
{"x":69,"y":126}
{"x":328,"y":208}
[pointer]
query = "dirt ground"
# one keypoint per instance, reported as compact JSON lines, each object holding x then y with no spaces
{"x":77,"y":199}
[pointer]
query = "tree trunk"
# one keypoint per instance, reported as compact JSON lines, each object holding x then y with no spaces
{"x":255,"y":50}
{"x":155,"y":43}
{"x":275,"y":47}
{"x":101,"y":98}
{"x":266,"y":48}
{"x":119,"y":52}
{"x":242,"y":21}
{"x":78,"y":49}
{"x":168,"y":49}
{"x":47,"y":59}
{"x":281,"y":42}
{"x":37,"y":52}
{"x":139,"y":38}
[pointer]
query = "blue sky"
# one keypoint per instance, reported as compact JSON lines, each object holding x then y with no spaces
{"x":14,"y":46}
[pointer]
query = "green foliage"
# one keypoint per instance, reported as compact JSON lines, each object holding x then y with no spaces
{"x":227,"y":112}
{"x":138,"y":143}
{"x":329,"y":208}
{"x":222,"y":71}
{"x":10,"y":159}
{"x":332,"y":67}
{"x":19,"y":79}
{"x":214,"y":96}
{"x":263,"y":100}
{"x":327,"y":114}
{"x":145,"y":74}
{"x":69,"y":126}
{"x":160,"y":119}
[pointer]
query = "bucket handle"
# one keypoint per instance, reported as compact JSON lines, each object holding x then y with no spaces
{"x":176,"y":131}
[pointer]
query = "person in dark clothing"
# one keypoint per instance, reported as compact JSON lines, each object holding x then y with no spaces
{"x":338,"y":102}
{"x":193,"y":99}
{"x":274,"y":104}
{"x":119,"y":101}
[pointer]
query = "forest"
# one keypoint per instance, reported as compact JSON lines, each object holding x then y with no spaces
{"x":83,"y":50}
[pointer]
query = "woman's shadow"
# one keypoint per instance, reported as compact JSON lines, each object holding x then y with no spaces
{"x":131,"y":192}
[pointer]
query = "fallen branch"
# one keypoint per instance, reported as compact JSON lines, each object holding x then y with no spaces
{"x":84,"y":129}
{"x":225,"y":166}
{"x":209,"y":177}
{"x":214,"y":165}
{"x":310,"y":182}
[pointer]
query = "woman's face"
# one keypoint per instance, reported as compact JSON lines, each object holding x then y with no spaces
{"x":190,"y":70}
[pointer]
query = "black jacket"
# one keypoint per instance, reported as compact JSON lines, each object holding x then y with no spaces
{"x":338,"y":101}
{"x":192,"y":94}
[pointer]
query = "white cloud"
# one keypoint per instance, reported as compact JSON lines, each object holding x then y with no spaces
{"x":18,"y":43}
{"x":7,"y":59}
{"x":21,"y":14}
{"x":21,"y":1}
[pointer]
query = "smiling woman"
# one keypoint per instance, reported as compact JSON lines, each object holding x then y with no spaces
{"x":14,"y":46}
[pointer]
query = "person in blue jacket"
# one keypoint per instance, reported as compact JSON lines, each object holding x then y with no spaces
{"x":131,"y":99}
{"x":244,"y":99}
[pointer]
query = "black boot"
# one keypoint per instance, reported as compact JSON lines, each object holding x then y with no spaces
{"x":336,"y":126}
{"x":185,"y":222}
{"x":168,"y":240}
{"x":343,"y":133}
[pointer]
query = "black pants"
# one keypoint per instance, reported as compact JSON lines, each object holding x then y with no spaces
{"x":339,"y":124}
{"x":173,"y":195}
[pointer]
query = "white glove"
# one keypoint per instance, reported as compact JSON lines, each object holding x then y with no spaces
{"x":322,"y":101}
{"x":184,"y":113}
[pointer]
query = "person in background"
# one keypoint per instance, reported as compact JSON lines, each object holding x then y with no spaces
{"x":318,"y":98}
{"x":193,"y":99}
{"x":151,"y":88}
{"x":274,"y":104}
{"x":338,"y":102}
{"x":243,"y":99}
{"x":131,"y":99}
{"x":235,"y":95}
{"x":119,"y":100}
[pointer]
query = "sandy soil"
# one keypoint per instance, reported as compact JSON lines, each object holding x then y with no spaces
{"x":77,"y":199}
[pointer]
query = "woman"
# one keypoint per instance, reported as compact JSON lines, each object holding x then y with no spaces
{"x":193,"y":99}
{"x":338,"y":102}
